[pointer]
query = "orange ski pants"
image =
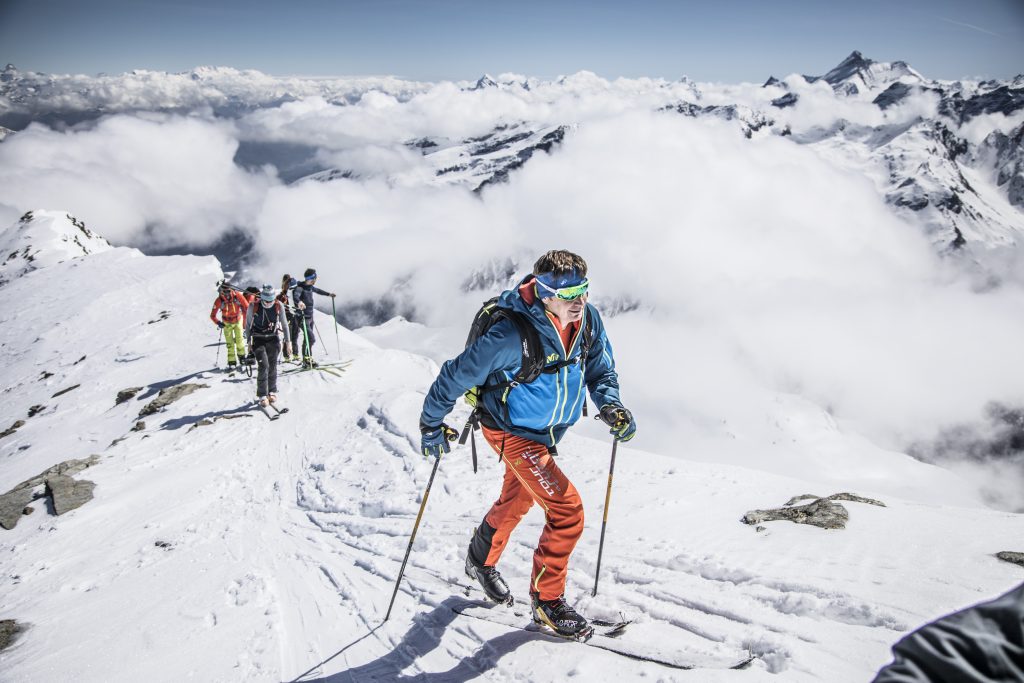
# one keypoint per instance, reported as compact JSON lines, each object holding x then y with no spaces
{"x":531,"y":476}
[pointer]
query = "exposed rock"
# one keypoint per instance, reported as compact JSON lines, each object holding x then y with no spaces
{"x":168,"y":396}
{"x":12,"y":506}
{"x":126,"y":395}
{"x":167,"y":545}
{"x":68,"y":494}
{"x":787,"y":100}
{"x":9,"y":632}
{"x":66,"y":468}
{"x":835,"y":496}
{"x":1015,"y":558}
{"x":164,"y":315}
{"x":35,"y":410}
{"x":64,"y":391}
{"x":28,"y":510}
{"x":1003,"y":100}
{"x":894,"y":94}
{"x":13,"y":428}
{"x":13,"y":503}
{"x":822,"y":512}
{"x":139,"y":426}
{"x":206,"y":422}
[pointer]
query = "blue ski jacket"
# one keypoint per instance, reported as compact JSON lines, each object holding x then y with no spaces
{"x":304,"y":293}
{"x":543,"y":409}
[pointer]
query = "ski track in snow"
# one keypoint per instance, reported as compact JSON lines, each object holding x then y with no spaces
{"x":284,"y":537}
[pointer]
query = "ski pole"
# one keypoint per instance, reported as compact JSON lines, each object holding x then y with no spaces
{"x":307,"y":352}
{"x":322,"y":345}
{"x":220,"y":331}
{"x":423,"y":505}
{"x":337,"y":336}
{"x":604,"y":523}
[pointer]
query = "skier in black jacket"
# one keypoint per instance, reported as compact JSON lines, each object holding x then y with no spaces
{"x":265,"y":318}
{"x":303,"y":297}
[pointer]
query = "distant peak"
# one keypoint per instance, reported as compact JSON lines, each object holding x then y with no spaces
{"x":856,"y":73}
{"x":850,"y":66}
{"x":485,"y":81}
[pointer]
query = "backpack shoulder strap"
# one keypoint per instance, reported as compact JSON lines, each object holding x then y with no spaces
{"x":532,"y":361}
{"x":531,"y":352}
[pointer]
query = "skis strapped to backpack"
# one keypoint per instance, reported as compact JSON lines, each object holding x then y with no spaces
{"x":531,"y":365}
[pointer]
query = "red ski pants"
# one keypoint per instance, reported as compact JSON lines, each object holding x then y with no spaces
{"x":531,"y":476}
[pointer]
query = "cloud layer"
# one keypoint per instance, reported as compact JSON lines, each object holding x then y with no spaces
{"x":155,"y":180}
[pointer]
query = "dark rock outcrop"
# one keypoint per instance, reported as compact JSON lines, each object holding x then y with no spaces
{"x":1002,"y":100}
{"x":64,"y":391}
{"x":14,"y":502}
{"x":168,"y":396}
{"x":9,"y":632}
{"x":894,"y":94}
{"x":822,"y":512}
{"x":787,"y":100}
{"x":126,"y":395}
{"x":68,"y":494}
{"x":1014,"y":558}
{"x":13,"y":428}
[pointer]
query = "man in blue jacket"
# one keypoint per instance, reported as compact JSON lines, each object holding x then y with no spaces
{"x":524,"y":422}
{"x":303,"y":298}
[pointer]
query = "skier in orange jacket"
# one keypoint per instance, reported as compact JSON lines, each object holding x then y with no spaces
{"x":231,"y":304}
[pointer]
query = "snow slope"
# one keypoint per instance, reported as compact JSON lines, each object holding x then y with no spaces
{"x":257,"y":550}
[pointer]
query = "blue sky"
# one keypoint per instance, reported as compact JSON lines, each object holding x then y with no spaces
{"x":723,"y":40}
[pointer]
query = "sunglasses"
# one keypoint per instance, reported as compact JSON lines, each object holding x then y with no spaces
{"x":567,"y":293}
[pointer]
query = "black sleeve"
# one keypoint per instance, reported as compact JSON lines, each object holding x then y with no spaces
{"x":981,"y":643}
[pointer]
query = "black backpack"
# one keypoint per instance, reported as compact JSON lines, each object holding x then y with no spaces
{"x":531,"y":366}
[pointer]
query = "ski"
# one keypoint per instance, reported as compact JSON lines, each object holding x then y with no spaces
{"x":279,"y":411}
{"x":330,"y":370}
{"x":266,"y":411}
{"x":606,"y":640}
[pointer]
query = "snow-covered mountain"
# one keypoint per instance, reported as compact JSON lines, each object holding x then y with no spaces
{"x":43,"y":239}
{"x":947,"y":155}
{"x":212,"y":543}
{"x":963,"y":191}
{"x":27,"y":96}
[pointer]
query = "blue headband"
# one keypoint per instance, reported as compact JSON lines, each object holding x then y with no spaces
{"x":551,"y":282}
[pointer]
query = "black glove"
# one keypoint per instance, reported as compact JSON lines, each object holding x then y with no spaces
{"x":434,"y":440}
{"x":620,"y":420}
{"x":220,"y":324}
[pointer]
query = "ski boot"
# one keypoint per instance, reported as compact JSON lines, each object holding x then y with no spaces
{"x":490,"y":581}
{"x":558,"y":616}
{"x":263,"y":402}
{"x":272,"y":398}
{"x":231,"y":369}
